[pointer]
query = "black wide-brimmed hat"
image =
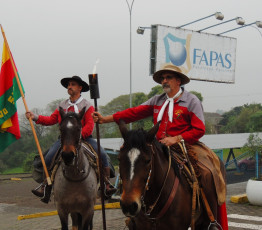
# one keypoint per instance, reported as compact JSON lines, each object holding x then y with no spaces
{"x":65,"y":81}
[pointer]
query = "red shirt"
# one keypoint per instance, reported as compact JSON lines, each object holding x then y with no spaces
{"x":188,"y":117}
{"x":87,"y":121}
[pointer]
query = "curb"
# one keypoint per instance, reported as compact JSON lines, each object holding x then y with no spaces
{"x":52,"y":213}
{"x":239,"y":199}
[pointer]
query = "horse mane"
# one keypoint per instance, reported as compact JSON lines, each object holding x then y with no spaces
{"x":137,"y":139}
{"x":163,"y":148}
{"x":174,"y":165}
{"x":72,"y":114}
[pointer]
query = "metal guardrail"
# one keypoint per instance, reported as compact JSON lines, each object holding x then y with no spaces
{"x":236,"y":159}
{"x":219,"y":153}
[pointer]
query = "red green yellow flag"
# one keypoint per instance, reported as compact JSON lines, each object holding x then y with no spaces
{"x":9,"y":94}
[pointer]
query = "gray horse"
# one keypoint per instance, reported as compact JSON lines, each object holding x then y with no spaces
{"x":75,"y":185}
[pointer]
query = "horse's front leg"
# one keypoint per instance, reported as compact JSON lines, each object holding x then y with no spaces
{"x":76,"y":221}
{"x":63,"y":218}
{"x":88,"y":223}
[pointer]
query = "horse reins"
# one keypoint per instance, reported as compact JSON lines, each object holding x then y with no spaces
{"x":196,"y":190}
{"x":75,"y":164}
{"x":172,"y":194}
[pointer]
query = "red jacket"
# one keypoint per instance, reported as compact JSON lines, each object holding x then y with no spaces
{"x":188,"y":118}
{"x":87,"y":121}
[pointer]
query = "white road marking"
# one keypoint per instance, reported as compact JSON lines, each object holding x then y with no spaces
{"x":245,"y":217}
{"x":245,"y":226}
{"x":133,"y":155}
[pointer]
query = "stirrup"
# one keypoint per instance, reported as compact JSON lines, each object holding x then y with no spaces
{"x":47,"y":193}
{"x":38,"y":187}
{"x":109,"y":193}
{"x":37,"y":193}
{"x":216,"y":224}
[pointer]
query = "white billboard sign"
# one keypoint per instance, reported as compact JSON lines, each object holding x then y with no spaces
{"x":201,"y":56}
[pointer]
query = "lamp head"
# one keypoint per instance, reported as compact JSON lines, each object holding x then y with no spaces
{"x":140,"y":30}
{"x":219,"y":16}
{"x":240,"y":21}
{"x":259,"y":24}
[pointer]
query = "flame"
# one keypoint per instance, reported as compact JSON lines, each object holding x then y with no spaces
{"x":94,"y":69}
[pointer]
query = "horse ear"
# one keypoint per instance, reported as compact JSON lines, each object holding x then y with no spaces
{"x":62,"y":112}
{"x":152,"y":133}
{"x":82,"y":112}
{"x":122,"y":128}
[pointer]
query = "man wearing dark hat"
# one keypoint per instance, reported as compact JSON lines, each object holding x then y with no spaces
{"x":75,"y":85}
{"x":181,"y":117}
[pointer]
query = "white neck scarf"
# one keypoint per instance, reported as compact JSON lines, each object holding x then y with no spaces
{"x":169,"y":101}
{"x":75,"y":104}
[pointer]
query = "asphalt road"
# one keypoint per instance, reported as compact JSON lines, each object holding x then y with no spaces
{"x":16,"y":199}
{"x":232,"y":176}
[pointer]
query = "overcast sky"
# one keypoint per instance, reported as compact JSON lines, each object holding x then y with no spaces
{"x":61,"y":38}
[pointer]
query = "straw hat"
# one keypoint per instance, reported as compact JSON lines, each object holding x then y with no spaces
{"x":170,"y":68}
{"x":65,"y":81}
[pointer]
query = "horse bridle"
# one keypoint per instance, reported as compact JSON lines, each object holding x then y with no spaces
{"x":79,"y":140}
{"x":151,"y":207}
{"x":75,"y":161}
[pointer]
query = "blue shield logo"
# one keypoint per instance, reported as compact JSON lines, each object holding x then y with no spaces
{"x":175,"y":49}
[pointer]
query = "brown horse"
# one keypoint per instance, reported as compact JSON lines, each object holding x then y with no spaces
{"x":155,"y":194}
{"x":75,"y":185}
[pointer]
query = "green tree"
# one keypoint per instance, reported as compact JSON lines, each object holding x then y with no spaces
{"x":25,"y":125}
{"x":50,"y":108}
{"x":156,"y":90}
{"x":138,"y":98}
{"x":208,"y":127}
{"x":199,"y":95}
{"x":254,"y":146}
{"x":121,"y":103}
{"x":22,"y":151}
{"x":228,"y":115}
{"x":255,"y":122}
{"x":3,"y":166}
{"x":28,"y":162}
{"x":118,"y":104}
{"x":242,"y":119}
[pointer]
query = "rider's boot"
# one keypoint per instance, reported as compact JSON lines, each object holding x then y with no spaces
{"x":110,"y":189}
{"x":43,"y":191}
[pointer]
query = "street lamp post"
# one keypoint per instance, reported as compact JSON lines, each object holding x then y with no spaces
{"x":130,"y":7}
{"x":218,"y":16}
{"x":258,"y":24}
{"x":239,"y":21}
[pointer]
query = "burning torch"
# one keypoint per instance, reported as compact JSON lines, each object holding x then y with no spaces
{"x":94,"y":94}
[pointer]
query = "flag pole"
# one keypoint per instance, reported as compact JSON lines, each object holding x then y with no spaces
{"x":27,"y":110}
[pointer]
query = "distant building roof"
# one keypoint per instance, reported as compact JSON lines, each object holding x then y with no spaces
{"x":213,"y":118}
{"x":224,"y":141}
